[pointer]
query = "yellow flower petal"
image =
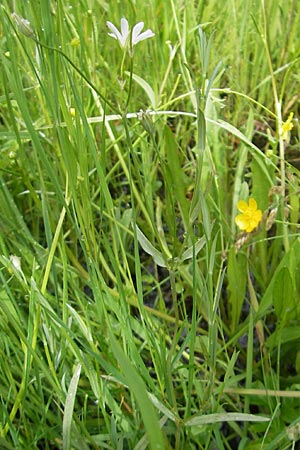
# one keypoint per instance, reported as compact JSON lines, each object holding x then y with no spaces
{"x":257,"y":216}
{"x":251,"y":225}
{"x":250,"y":217}
{"x":242,"y":206}
{"x":241,"y":222}
{"x":252,"y":204}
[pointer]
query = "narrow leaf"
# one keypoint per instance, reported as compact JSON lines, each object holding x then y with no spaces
{"x":224,"y":417}
{"x":201,"y":130}
{"x":69,"y":407}
{"x":189,"y":252}
{"x":237,"y":283}
{"x":146,"y":87}
{"x":162,"y":408}
{"x":283,"y":294}
{"x":138,"y":388}
{"x":257,"y":152}
{"x":150,"y":249}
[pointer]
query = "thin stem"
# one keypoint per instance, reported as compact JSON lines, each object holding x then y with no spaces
{"x":172,"y":350}
{"x":278,"y":125}
{"x":130,"y":84}
{"x":28,"y":353}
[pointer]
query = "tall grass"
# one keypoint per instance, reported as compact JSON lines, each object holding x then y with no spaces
{"x":133,"y":313}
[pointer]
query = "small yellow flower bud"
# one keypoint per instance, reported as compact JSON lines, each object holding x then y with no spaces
{"x":75,"y":42}
{"x":286,"y":127}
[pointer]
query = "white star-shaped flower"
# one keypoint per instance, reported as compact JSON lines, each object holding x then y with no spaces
{"x":136,"y":35}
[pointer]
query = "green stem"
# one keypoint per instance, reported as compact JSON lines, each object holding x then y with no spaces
{"x":172,"y":351}
{"x":130,"y":84}
{"x":278,"y":125}
{"x":28,"y":353}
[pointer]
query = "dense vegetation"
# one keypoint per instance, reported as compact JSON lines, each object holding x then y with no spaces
{"x":149,"y":225}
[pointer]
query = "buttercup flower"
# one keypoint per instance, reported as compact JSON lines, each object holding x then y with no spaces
{"x":250,"y":217}
{"x":136,"y":35}
{"x":286,"y":127}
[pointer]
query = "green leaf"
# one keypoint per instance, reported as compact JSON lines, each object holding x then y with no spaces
{"x":260,"y":183}
{"x":201,"y":130}
{"x":291,"y":260}
{"x":146,"y":87}
{"x":206,"y":220}
{"x":138,"y":388}
{"x":4,"y":445}
{"x":285,"y":334}
{"x":175,"y":176}
{"x":224,"y":417}
{"x":189,"y":252}
{"x":283,"y":294}
{"x":150,"y":249}
{"x":237,"y":282}
{"x":69,"y":408}
{"x":257,"y":154}
{"x":162,"y":408}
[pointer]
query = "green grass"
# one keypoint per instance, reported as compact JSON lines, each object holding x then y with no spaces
{"x":139,"y":316}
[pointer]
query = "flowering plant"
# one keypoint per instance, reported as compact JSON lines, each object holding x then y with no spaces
{"x":286,"y":127}
{"x":250,"y":217}
{"x":135,"y":34}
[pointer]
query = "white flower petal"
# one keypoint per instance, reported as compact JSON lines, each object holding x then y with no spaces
{"x":124,"y":31}
{"x":124,"y":27}
{"x":141,"y":37}
{"x":16,"y":261}
{"x":136,"y":31}
{"x":122,"y":36}
{"x":115,"y":33}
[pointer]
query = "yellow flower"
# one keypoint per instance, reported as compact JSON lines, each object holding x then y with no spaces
{"x":286,"y":127}
{"x":250,"y":217}
{"x":75,"y":42}
{"x":72,"y":112}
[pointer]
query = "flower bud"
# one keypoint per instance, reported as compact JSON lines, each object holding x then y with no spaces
{"x":23,"y":25}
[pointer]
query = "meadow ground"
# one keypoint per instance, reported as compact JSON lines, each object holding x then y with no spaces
{"x":149,"y":225}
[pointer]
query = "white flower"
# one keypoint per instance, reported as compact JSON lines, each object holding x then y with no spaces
{"x":15,"y":261}
{"x":136,"y":35}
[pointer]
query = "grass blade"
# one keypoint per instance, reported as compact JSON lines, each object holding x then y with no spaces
{"x":69,"y":408}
